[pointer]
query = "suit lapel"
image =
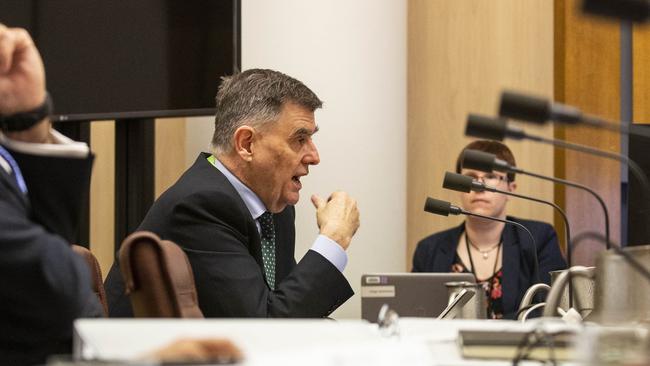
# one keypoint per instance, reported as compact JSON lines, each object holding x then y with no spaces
{"x":510,"y":278}
{"x":255,"y":245}
{"x":10,"y":183}
{"x":204,"y":167}
{"x":447,"y":249}
{"x":284,"y":243}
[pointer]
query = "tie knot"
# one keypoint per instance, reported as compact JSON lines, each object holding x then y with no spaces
{"x":266,"y":217}
{"x":266,"y":223}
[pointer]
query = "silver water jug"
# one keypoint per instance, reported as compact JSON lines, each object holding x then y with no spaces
{"x":582,"y":279}
{"x":583,"y":285}
{"x":583,"y":288}
{"x":622,"y":293}
{"x":476,"y":307}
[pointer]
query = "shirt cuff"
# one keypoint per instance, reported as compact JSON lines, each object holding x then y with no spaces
{"x":333,"y":252}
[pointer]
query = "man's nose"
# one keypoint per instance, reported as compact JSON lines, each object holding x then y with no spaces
{"x":311,"y":157}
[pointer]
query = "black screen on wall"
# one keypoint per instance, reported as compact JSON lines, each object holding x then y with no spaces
{"x":107,"y":59}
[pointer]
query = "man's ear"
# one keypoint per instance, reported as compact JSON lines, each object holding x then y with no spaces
{"x":243,"y":142}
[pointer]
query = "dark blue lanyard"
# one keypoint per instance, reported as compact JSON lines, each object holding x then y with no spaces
{"x":14,"y":167}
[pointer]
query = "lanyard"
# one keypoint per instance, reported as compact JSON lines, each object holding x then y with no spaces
{"x":15,"y":169}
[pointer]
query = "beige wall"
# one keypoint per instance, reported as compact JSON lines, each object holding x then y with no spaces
{"x":353,"y":55}
{"x":461,"y":54}
{"x":198,"y":134}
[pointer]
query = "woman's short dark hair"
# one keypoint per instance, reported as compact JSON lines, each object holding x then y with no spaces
{"x":492,"y":147}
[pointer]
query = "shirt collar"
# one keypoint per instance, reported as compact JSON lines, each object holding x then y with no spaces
{"x":253,"y":202}
{"x":5,"y":165}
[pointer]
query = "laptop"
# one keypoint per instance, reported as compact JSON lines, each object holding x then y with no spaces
{"x":408,"y":294}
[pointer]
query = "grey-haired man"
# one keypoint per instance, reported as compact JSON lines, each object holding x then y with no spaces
{"x":232,"y":211}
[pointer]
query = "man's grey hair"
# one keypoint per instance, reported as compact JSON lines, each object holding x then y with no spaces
{"x":254,"y":98}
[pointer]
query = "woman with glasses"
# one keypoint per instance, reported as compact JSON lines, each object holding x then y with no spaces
{"x":498,"y":255}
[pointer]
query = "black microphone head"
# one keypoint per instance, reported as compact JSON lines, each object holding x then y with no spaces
{"x":486,"y":127}
{"x":478,"y":160}
{"x":632,"y":10}
{"x":524,"y":107}
{"x":457,"y":182}
{"x":437,"y":207}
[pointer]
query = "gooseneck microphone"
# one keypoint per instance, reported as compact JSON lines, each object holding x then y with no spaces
{"x":485,"y":162}
{"x":445,"y":208}
{"x":529,"y":108}
{"x":535,"y":109}
{"x":498,"y":129}
{"x":462,"y":183}
{"x":442,"y":208}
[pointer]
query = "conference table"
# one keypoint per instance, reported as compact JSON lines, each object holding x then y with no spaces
{"x":411,"y":341}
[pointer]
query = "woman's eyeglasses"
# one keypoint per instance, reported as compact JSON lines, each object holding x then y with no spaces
{"x":490,"y":179}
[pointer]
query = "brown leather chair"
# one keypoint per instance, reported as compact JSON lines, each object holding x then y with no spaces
{"x":158,"y":278}
{"x":95,"y":273}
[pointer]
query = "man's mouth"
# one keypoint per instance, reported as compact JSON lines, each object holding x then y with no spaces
{"x":296,"y":181}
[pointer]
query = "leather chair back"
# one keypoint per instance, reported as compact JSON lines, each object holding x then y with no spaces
{"x":95,"y":274}
{"x":158,"y":278}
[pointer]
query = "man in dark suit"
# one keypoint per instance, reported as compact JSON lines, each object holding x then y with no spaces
{"x":232,"y":211}
{"x":45,"y":286}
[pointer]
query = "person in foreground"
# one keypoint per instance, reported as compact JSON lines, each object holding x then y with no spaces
{"x":232,"y":211}
{"x":45,"y":285}
{"x":499,"y":255}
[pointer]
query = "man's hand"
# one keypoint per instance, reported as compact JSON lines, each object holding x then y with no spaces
{"x":22,"y":82}
{"x":197,"y":350}
{"x":22,"y":76}
{"x":338,"y":218}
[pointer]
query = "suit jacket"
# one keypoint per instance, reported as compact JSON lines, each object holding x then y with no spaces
{"x":436,"y":253}
{"x":203,"y":213}
{"x":45,"y":285}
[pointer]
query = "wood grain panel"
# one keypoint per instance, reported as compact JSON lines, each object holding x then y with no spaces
{"x":102,"y":193}
{"x":641,"y":72}
{"x":170,"y":152}
{"x":169,"y":164}
{"x":587,"y":64}
{"x":461,"y":54}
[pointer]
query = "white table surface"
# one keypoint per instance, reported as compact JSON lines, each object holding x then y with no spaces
{"x":421,"y":341}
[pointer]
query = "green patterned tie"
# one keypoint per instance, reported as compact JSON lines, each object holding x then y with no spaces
{"x":268,"y":247}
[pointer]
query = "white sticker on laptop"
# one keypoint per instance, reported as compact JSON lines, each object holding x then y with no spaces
{"x":373,"y":280}
{"x":377,"y":291}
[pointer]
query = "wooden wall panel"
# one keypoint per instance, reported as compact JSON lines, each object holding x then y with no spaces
{"x":169,"y":164}
{"x":641,"y":72}
{"x":102,"y":193}
{"x":461,"y":54}
{"x":587,"y":64}
{"x":170,"y":152}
